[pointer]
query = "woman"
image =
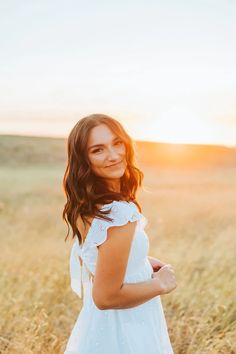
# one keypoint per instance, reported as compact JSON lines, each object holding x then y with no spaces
{"x":122,"y":311}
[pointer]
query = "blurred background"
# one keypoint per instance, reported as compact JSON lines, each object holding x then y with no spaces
{"x":166,"y":71}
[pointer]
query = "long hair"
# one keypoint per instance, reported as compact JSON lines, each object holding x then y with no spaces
{"x":83,"y":189}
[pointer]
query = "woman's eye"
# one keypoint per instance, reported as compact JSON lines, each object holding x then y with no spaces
{"x":97,"y":150}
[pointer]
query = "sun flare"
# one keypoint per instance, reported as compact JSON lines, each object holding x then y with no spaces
{"x":181,"y":125}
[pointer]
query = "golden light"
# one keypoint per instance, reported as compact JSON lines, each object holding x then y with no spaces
{"x":181,"y":125}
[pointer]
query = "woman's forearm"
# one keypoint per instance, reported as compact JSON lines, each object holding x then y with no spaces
{"x":134,"y":294}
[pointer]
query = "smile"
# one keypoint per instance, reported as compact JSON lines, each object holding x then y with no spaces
{"x":114,"y":165}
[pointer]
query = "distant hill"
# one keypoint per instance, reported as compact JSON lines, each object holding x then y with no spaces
{"x":25,"y":150}
{"x":185,"y":155}
{"x":29,"y":150}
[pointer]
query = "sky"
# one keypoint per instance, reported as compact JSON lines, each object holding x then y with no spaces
{"x":164,"y":69}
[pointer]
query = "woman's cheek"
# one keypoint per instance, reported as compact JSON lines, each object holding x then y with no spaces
{"x":122,"y":150}
{"x":99,"y":159}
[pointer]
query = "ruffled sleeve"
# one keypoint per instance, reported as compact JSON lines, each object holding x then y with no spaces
{"x":121,"y":212}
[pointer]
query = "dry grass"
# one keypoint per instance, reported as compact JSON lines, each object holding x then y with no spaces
{"x":192,"y":223}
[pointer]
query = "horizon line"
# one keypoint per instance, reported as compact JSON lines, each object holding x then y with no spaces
{"x":138,"y":140}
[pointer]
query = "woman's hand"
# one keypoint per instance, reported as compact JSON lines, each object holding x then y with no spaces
{"x":165,"y":279}
{"x":155,"y":263}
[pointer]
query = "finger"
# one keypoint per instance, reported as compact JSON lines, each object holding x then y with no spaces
{"x":166,"y":265}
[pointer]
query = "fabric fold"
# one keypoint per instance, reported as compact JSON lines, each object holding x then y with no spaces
{"x":79,"y":273}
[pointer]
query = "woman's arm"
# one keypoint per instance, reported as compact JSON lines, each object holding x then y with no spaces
{"x":142,"y":291}
{"x":109,"y":291}
{"x":134,"y":294}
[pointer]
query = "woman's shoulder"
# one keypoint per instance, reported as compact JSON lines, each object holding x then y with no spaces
{"x":117,"y":209}
{"x":121,"y":212}
{"x":118,"y":206}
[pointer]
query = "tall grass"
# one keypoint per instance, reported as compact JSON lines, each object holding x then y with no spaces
{"x":192,"y":225}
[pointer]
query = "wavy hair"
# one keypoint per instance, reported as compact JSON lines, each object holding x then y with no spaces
{"x":83,"y":189}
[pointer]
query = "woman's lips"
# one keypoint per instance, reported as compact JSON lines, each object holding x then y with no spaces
{"x":117,"y":164}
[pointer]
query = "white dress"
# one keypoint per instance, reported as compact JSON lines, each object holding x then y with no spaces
{"x":138,"y":330}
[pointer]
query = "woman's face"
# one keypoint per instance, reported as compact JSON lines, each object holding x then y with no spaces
{"x":111,"y":150}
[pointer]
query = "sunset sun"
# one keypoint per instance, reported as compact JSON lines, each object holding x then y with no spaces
{"x":181,"y":125}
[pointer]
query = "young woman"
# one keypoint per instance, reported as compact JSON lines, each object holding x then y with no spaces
{"x":109,"y":263}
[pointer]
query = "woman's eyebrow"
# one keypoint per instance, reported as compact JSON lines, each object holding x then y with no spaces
{"x":93,"y":146}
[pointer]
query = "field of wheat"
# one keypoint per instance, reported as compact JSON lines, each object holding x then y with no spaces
{"x":191,"y":225}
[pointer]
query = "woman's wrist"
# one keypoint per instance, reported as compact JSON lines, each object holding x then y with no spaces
{"x":157,"y":286}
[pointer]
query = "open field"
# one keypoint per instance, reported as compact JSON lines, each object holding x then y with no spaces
{"x":192,"y":225}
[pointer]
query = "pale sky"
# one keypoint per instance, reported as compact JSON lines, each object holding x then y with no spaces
{"x":165,"y":69}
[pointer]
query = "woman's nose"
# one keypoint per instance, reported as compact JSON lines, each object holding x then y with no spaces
{"x":113,"y":154}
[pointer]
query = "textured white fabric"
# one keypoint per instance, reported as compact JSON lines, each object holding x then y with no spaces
{"x":138,"y":330}
{"x":78,"y":273}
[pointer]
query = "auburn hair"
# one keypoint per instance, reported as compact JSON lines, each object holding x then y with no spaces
{"x":83,"y":189}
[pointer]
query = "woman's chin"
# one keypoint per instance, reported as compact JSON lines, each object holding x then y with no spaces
{"x":116,"y":174}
